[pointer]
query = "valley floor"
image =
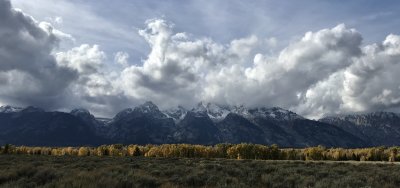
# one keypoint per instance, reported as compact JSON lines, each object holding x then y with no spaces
{"x":93,"y":171}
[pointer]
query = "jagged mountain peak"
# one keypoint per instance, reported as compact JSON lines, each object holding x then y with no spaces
{"x":10,"y":109}
{"x":149,"y":104}
{"x":147,"y":107}
{"x":84,"y":114}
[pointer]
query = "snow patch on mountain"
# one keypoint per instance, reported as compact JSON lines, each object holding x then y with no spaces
{"x":177,"y":113}
{"x":218,"y":112}
{"x":10,"y":109}
{"x":263,"y":112}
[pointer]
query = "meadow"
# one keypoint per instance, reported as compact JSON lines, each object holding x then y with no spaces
{"x":94,"y":171}
{"x":184,"y":165}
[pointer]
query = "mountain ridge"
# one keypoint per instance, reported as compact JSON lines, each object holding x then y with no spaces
{"x":379,"y":128}
{"x":206,"y":123}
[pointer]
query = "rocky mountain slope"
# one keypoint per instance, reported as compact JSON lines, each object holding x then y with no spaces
{"x":34,"y":126}
{"x":378,"y":128}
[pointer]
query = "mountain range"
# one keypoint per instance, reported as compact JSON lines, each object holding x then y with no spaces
{"x":204,"y":124}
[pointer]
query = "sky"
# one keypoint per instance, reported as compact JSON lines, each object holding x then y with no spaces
{"x":314,"y":57}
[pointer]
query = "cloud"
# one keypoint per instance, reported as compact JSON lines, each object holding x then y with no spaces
{"x":85,"y":59}
{"x":374,"y":76}
{"x":177,"y":66}
{"x":29,"y":73}
{"x":58,"y":20}
{"x":33,"y":73}
{"x":122,"y":58}
{"x":370,"y":83}
{"x":283,"y":80}
{"x":96,"y":87}
{"x":323,"y":72}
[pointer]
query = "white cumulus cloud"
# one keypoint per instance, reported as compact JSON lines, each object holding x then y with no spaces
{"x":324,"y":72}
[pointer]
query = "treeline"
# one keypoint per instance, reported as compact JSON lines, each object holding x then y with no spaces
{"x":230,"y":151}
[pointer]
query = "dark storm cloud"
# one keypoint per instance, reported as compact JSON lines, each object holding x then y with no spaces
{"x":29,"y":73}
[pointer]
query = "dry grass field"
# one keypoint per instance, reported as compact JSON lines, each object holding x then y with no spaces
{"x":94,"y":171}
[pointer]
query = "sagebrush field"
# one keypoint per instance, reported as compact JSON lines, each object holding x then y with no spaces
{"x":106,"y":171}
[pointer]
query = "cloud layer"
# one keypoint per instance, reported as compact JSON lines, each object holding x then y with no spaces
{"x":325,"y":72}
